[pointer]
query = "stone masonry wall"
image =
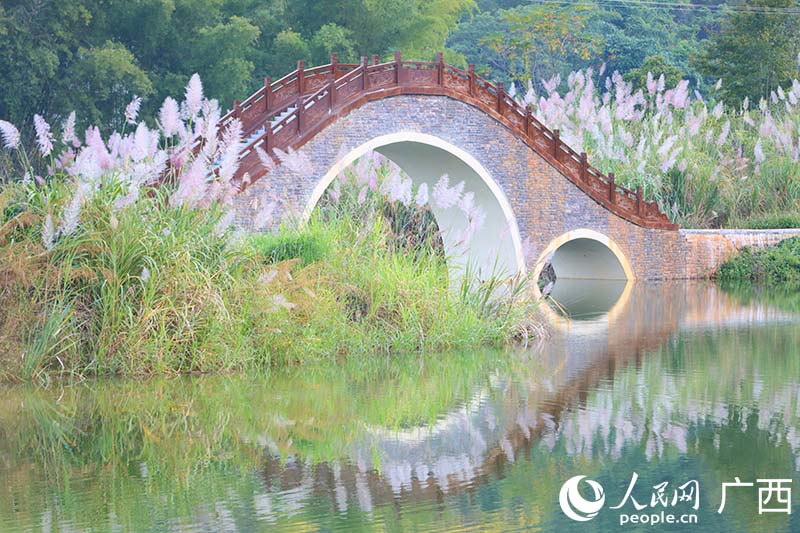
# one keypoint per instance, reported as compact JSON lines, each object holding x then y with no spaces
{"x":708,"y":249}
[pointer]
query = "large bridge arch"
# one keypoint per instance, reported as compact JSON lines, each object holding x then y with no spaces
{"x":496,"y":248}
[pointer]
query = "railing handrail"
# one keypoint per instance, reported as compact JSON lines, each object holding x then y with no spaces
{"x":601,"y":187}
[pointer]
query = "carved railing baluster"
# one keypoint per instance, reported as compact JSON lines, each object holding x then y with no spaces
{"x":398,"y":65}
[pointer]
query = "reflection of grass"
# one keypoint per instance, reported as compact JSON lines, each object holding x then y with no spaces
{"x":171,"y":423}
{"x":781,"y":296}
{"x":185,"y":439}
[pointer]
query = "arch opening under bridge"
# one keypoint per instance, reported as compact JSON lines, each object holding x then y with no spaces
{"x":495,"y":248}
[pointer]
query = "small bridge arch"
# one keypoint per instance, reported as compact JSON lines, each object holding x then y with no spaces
{"x":496,"y":247}
{"x":585,"y":254}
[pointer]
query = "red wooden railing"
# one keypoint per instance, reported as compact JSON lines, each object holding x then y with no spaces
{"x":321,"y":94}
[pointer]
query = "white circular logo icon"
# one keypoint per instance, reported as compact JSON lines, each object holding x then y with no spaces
{"x":576,"y":506}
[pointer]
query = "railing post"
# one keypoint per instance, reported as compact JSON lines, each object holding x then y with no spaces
{"x":471,"y":72}
{"x":267,"y":93}
{"x":363,"y":73}
{"x":556,"y":143}
{"x":268,"y":139}
{"x":334,"y":65}
{"x":398,"y":64}
{"x":501,"y":96}
{"x":527,"y":121}
{"x":300,"y":109}
{"x":612,"y":189}
{"x":375,"y":59}
{"x":237,"y":109}
{"x":301,"y":82}
{"x":332,"y":93}
{"x":639,"y":201}
{"x":439,"y":68}
{"x":584,"y":165}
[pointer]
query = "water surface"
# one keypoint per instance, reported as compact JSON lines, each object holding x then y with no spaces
{"x":675,"y":382}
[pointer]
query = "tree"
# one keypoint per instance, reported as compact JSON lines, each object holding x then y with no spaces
{"x":36,"y":40}
{"x":754,"y":50}
{"x":101,"y":82}
{"x":287,"y":48}
{"x":332,"y":38}
{"x":541,"y":39}
{"x":93,"y":55}
{"x":656,"y":66}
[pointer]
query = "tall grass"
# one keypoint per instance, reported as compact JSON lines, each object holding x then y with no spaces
{"x":706,"y":163}
{"x":154,"y":288}
{"x":121,"y":259}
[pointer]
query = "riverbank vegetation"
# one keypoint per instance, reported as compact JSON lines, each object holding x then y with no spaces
{"x":777,"y":265}
{"x":123,"y":260}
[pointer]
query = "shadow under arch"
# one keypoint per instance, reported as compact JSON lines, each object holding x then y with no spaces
{"x":585,"y":254}
{"x":496,"y":247}
{"x":589,"y":266}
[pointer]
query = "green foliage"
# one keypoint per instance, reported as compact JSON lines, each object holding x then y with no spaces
{"x":538,"y":39}
{"x":753,"y":52}
{"x":309,"y":247}
{"x":767,"y":221}
{"x":93,"y":57}
{"x":287,"y":48}
{"x":655,"y":66}
{"x":775,"y":265}
{"x":331,"y":38}
{"x":563,"y":39}
{"x":110,"y":77}
{"x":635,"y":32}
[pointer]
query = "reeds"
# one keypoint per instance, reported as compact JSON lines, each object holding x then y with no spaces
{"x":706,"y":163}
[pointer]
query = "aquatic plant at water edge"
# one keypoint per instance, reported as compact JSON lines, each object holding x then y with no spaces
{"x":776,"y":265}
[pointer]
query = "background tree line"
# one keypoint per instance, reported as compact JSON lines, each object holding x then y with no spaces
{"x":93,"y":56}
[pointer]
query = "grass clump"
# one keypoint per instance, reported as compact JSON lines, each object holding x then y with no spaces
{"x":767,"y":221}
{"x":778,"y":264}
{"x":308,"y":247}
{"x":153,"y":288}
{"x":706,"y":162}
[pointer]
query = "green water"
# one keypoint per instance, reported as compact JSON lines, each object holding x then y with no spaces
{"x":673,"y":382}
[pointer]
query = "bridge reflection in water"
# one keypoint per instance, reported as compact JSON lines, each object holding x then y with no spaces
{"x":673,"y":381}
{"x":593,"y":393}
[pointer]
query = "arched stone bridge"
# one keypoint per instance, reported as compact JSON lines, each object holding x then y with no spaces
{"x":544,"y":202}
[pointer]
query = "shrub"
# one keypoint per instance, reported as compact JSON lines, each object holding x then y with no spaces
{"x":778,"y":264}
{"x":285,"y":245}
